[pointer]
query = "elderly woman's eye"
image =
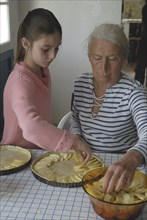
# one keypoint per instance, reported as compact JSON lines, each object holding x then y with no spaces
{"x":113,"y":58}
{"x":97,"y":58}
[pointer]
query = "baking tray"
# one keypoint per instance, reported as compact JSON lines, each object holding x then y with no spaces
{"x":13,"y":159}
{"x":43,"y":166}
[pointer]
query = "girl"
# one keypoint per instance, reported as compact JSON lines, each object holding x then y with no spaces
{"x":27,"y":93}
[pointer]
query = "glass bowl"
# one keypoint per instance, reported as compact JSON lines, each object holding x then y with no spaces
{"x":112,"y":210}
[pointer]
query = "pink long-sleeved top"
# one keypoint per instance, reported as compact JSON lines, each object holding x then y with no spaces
{"x":27,"y":112}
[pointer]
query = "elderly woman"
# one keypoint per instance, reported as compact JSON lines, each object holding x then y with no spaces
{"x":109,"y":109}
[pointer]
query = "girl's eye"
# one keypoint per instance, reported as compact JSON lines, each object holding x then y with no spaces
{"x":45,"y":50}
{"x":56,"y":49}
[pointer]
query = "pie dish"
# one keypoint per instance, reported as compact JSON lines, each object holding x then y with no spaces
{"x":63,"y":169}
{"x":13,"y":159}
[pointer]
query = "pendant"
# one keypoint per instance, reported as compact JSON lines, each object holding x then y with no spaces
{"x":93,"y":115}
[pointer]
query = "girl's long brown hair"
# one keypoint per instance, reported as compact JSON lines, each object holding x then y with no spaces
{"x":37,"y":22}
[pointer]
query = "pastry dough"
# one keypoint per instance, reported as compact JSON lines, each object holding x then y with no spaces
{"x":64,"y":168}
{"x":12,"y":157}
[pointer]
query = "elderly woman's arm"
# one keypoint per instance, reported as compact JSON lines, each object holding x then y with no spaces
{"x":122,"y":172}
{"x":138,"y":108}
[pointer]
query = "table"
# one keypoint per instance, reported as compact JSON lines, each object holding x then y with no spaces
{"x":23,"y":197}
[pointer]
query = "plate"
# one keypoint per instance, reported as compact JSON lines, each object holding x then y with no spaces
{"x":13,"y":159}
{"x":63,"y":169}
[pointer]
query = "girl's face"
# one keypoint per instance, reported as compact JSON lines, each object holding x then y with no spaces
{"x":42,"y":52}
{"x":106,"y":61}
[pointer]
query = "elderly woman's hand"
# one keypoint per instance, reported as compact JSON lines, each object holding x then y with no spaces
{"x":121,"y":173}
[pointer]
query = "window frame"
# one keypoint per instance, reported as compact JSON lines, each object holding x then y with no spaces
{"x":6,"y":3}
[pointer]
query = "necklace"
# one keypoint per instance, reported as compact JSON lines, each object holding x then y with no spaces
{"x":97,"y":102}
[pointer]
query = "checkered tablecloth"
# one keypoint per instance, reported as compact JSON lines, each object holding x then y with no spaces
{"x":23,"y":197}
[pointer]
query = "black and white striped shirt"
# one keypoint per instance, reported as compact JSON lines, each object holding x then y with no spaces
{"x":121,"y":123}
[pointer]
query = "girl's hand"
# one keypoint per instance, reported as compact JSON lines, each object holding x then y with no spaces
{"x":121,"y":173}
{"x":82,"y":149}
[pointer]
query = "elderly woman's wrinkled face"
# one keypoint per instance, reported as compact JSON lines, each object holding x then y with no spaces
{"x":106,"y":60}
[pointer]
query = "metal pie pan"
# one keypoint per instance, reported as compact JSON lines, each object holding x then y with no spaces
{"x":55,"y":183}
{"x":17,"y":168}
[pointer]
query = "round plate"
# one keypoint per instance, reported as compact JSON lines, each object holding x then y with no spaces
{"x":63,"y":169}
{"x":13,"y":159}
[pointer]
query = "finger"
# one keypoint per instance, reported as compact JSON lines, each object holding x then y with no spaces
{"x":107,"y":179}
{"x":111,"y":185}
{"x":86,"y":158}
{"x":129,"y":180}
{"x":124,"y":180}
{"x":121,"y":183}
{"x":81,"y":155}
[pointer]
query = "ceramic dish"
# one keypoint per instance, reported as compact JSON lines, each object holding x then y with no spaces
{"x":124,"y":205}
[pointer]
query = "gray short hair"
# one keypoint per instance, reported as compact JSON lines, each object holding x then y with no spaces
{"x":112,"y":33}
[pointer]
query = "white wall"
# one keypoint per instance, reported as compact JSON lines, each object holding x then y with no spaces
{"x":77,"y":18}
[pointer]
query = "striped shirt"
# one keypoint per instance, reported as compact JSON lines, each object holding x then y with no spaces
{"x":121,"y":123}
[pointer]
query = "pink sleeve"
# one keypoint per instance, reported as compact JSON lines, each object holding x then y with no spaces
{"x":34,"y":128}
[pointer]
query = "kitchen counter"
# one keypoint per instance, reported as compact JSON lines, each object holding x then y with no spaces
{"x":23,"y":197}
